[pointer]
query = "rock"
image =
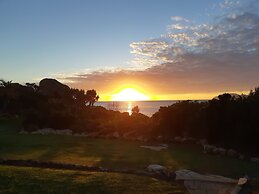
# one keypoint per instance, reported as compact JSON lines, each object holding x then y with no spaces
{"x":180,"y":139}
{"x":133,"y":138}
{"x":23,"y":132}
{"x":219,"y":151}
{"x":244,"y":185}
{"x":202,"y":142}
{"x":164,"y":145}
{"x":53,"y":88}
{"x":191,"y":139}
{"x":232,"y":153}
{"x":108,"y":136}
{"x":197,"y":183}
{"x":128,"y":135}
{"x":157,"y":169}
{"x":140,"y":138}
{"x":116,"y":134}
{"x":242,"y":181}
{"x":185,"y":174}
{"x":255,"y":159}
{"x":177,"y":139}
{"x":215,"y":150}
{"x":207,"y":149}
{"x":93,"y":135}
{"x":80,"y":134}
{"x":155,"y":148}
{"x":47,"y":131}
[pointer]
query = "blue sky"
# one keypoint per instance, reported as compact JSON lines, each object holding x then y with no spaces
{"x":168,"y":49}
{"x":47,"y":37}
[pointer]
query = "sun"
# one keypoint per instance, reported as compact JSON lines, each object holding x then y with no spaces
{"x":129,"y":94}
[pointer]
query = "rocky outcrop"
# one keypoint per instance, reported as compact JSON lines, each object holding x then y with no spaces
{"x":48,"y":131}
{"x":255,"y":159}
{"x":161,"y":171}
{"x":207,"y":149}
{"x":197,"y":183}
{"x":158,"y":147}
{"x":53,"y":88}
{"x":232,"y":153}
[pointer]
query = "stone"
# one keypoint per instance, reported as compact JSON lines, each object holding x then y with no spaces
{"x":47,"y":131}
{"x":197,"y":183}
{"x":232,"y":153}
{"x":177,"y":139}
{"x":116,"y":134}
{"x":183,"y":140}
{"x":201,"y":142}
{"x":191,"y":139}
{"x":140,"y":138}
{"x":93,"y":134}
{"x":242,"y":181}
{"x":23,"y":132}
{"x":255,"y":159}
{"x":222,"y":151}
{"x":53,"y":88}
{"x":185,"y":174}
{"x":164,"y":145}
{"x":157,"y":169}
{"x":207,"y":149}
{"x":153,"y":147}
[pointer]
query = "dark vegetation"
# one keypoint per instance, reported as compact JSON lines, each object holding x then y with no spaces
{"x":230,"y":121}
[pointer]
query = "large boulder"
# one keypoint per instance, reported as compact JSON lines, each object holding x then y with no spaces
{"x":116,"y":135}
{"x":255,"y":160}
{"x":158,"y":147}
{"x":219,"y":151}
{"x":161,"y":171}
{"x":232,"y":153}
{"x":197,"y":183}
{"x":208,"y":149}
{"x":202,"y":142}
{"x":156,"y":168}
{"x":53,"y":88}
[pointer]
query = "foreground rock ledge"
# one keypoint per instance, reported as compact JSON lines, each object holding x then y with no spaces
{"x":197,"y":183}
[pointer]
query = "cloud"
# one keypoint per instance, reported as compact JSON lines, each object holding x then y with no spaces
{"x":179,"y":19}
{"x":191,"y":58}
{"x":228,"y":4}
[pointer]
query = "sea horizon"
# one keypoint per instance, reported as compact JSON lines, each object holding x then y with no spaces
{"x":146,"y":107}
{"x":151,"y":100}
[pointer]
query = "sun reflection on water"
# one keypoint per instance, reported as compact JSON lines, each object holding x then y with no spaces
{"x":129,"y":110}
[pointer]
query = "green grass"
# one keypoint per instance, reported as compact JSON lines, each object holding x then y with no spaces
{"x":116,"y":154}
{"x":35,"y":180}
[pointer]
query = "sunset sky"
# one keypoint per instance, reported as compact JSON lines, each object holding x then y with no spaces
{"x":165,"y":49}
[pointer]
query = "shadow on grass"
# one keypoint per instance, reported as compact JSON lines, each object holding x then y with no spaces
{"x":116,"y":154}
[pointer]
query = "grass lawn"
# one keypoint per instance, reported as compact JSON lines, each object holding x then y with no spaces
{"x":119,"y":154}
{"x":35,"y":180}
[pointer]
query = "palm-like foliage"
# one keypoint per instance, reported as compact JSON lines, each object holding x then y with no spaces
{"x":4,"y":83}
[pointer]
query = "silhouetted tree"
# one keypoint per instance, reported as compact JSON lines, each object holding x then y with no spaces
{"x":4,"y":83}
{"x":135,"y":109}
{"x":34,"y":86}
{"x":92,"y":97}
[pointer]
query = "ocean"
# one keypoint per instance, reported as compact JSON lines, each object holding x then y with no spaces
{"x":146,"y":107}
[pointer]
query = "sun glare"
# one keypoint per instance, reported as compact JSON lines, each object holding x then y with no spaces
{"x":129,"y":94}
